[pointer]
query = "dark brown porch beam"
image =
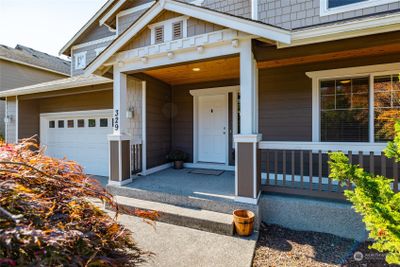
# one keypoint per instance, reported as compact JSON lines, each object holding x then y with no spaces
{"x":346,"y":54}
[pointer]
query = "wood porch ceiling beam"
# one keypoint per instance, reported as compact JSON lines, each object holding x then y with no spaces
{"x":352,"y":53}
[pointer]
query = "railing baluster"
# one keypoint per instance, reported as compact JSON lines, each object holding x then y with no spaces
{"x":276,"y":166}
{"x":350,"y":155}
{"x":329,"y":179}
{"x":360,"y":159}
{"x":395,"y":176}
{"x":371,"y":162}
{"x":383,"y":164}
{"x":310,"y":167}
{"x":267,"y":167}
{"x":319,"y":170}
{"x":284,"y":166}
{"x":293,"y":167}
{"x":301,"y":168}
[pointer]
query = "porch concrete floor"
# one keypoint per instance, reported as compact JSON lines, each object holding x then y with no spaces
{"x":182,"y":182}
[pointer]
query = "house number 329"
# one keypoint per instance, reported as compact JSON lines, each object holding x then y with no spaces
{"x":116,"y":120}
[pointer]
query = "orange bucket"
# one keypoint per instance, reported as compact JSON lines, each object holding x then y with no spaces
{"x":244,"y":222}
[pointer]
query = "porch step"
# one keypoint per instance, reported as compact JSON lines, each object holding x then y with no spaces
{"x":226,"y":206}
{"x":200,"y":219}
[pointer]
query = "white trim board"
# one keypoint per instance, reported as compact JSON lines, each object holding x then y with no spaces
{"x":135,"y":9}
{"x":95,"y":42}
{"x":251,"y":27}
{"x":370,"y":70}
{"x":351,"y":29}
{"x":86,"y":26}
{"x":324,"y":10}
{"x":210,"y":92}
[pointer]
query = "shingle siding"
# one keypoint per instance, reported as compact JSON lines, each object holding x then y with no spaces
{"x":235,"y":7}
{"x":90,"y":55}
{"x":292,"y":14}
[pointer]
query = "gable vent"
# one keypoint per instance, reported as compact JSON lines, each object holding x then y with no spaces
{"x":177,"y":30}
{"x":159,"y":34}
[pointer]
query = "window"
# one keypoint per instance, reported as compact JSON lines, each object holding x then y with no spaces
{"x":52,"y":124}
{"x":386,"y":105}
{"x":60,"y":124}
{"x":344,"y":110}
{"x":360,"y":108}
{"x":92,"y":122}
{"x":81,"y":123}
{"x":80,"y":60}
{"x":336,"y":3}
{"x":103,"y":122}
{"x":70,"y":123}
{"x":329,"y":7}
{"x":169,"y":30}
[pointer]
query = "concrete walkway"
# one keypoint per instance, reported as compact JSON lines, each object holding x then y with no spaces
{"x":177,"y":246}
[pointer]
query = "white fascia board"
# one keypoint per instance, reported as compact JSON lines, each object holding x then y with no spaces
{"x":111,"y":12}
{"x":86,"y":26}
{"x":47,"y":87}
{"x":345,"y":30}
{"x":125,"y":37}
{"x":33,"y":66}
{"x":248,"y":26}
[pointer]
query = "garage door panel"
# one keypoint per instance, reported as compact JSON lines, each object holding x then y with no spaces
{"x":86,"y":145}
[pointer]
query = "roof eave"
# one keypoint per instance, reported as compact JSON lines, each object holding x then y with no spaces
{"x":248,"y":26}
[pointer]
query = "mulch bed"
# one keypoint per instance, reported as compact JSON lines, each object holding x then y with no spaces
{"x":279,"y":246}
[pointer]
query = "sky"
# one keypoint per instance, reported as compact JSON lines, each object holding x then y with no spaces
{"x":44,"y":25}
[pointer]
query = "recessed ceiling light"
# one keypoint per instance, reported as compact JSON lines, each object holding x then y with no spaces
{"x":345,"y":81}
{"x":196,"y":69}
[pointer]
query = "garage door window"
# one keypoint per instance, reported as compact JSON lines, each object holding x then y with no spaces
{"x":103,"y":122}
{"x":52,"y":124}
{"x":81,"y":123}
{"x":92,"y":123}
{"x":60,"y":124}
{"x":70,"y":123}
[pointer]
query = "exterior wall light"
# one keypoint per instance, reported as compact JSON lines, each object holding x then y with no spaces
{"x":129,"y":113}
{"x":170,"y":55}
{"x":144,"y":59}
{"x":235,"y":43}
{"x":200,"y":49}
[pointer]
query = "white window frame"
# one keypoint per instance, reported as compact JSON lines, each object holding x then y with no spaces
{"x":167,"y":24}
{"x":325,"y":11}
{"x":371,"y":71}
{"x":76,"y":56}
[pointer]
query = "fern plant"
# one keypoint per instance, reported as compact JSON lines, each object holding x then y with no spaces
{"x":374,"y":198}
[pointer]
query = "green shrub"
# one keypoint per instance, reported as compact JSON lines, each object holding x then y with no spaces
{"x":374,"y":198}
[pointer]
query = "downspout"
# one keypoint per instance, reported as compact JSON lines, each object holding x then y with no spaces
{"x":254,"y":9}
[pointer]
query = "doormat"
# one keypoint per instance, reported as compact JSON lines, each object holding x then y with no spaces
{"x":207,"y":172}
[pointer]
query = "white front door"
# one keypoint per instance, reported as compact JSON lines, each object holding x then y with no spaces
{"x":212,"y":128}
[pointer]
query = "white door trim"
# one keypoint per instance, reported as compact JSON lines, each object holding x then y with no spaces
{"x":211,"y":91}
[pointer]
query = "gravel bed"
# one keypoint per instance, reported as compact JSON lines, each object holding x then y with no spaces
{"x":279,"y":246}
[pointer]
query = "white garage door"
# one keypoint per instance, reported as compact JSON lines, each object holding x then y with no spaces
{"x":78,"y":136}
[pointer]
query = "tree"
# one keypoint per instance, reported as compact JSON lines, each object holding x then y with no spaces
{"x":46,"y":218}
{"x":374,"y":198}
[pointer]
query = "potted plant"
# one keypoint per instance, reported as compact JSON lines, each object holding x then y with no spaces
{"x":178,"y":157}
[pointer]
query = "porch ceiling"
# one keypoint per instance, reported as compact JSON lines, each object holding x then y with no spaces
{"x":204,"y":71}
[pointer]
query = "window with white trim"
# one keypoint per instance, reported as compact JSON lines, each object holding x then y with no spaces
{"x":350,"y":106}
{"x":329,"y":7}
{"x":169,"y":30}
{"x":80,"y":60}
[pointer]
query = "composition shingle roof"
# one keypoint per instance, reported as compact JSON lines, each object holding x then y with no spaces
{"x":33,"y":57}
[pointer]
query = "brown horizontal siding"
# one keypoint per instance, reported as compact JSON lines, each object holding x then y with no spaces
{"x":158,"y":122}
{"x":28,"y":118}
{"x":285,"y":96}
{"x":14,"y":75}
{"x":78,"y":102}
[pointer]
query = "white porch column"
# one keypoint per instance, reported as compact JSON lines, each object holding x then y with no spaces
{"x":247,"y":172}
{"x":119,"y":141}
